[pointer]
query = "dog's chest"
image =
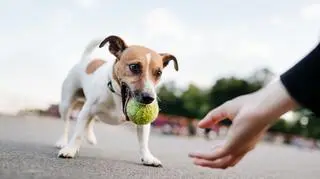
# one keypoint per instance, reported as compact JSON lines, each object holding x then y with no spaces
{"x":104,"y":104}
{"x":108,"y":111}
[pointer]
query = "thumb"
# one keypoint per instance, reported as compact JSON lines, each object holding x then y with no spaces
{"x":213,"y":117}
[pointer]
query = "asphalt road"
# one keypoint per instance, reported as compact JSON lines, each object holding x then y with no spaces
{"x":27,"y":151}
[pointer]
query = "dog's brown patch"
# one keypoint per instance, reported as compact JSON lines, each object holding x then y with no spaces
{"x":94,"y":65}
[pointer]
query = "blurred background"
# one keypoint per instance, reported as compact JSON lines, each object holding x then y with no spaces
{"x":224,"y":48}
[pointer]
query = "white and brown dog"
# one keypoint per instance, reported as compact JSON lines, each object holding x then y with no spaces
{"x":104,"y":90}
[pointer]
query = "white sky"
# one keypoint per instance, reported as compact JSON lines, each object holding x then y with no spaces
{"x":41,"y":40}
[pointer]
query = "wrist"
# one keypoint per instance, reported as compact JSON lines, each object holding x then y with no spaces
{"x":275,"y":100}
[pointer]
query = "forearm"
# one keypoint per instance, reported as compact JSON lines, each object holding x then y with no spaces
{"x":274,"y":100}
{"x":302,"y":81}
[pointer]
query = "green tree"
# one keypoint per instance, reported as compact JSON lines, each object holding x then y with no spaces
{"x":228,"y":88}
{"x":195,"y":101}
{"x":309,"y":123}
{"x":279,"y":126}
{"x":169,"y":101}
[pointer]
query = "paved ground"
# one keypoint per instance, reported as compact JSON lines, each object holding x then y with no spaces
{"x":26,"y":151}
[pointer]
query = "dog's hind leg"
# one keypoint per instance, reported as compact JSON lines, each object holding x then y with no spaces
{"x":91,"y":137}
{"x":73,"y":146}
{"x":68,"y":101}
{"x":65,"y":109}
{"x":64,"y":113}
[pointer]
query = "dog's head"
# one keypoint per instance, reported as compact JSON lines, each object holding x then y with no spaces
{"x":137,"y":69}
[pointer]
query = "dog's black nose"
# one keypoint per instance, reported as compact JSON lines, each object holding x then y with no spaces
{"x":145,"y":98}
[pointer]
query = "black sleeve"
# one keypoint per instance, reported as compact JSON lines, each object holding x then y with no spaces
{"x":302,"y":81}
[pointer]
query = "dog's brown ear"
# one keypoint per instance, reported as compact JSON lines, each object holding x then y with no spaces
{"x":166,"y":58}
{"x":116,"y":45}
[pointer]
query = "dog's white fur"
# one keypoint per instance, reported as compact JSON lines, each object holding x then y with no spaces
{"x":100,"y":102}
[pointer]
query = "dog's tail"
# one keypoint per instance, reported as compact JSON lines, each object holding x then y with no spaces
{"x":90,"y":47}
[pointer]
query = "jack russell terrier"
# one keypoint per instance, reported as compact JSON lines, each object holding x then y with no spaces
{"x":104,"y":90}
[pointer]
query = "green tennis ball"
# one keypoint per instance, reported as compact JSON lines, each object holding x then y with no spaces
{"x":142,"y":114}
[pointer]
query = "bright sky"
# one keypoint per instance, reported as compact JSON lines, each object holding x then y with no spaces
{"x":41,"y":40}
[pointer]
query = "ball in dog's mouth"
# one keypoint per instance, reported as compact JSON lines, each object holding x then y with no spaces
{"x":126,"y":94}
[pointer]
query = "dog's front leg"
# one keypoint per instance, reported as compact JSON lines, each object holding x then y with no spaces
{"x":70,"y":150}
{"x":147,"y":158}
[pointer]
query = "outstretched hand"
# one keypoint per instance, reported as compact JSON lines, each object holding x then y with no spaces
{"x":251,"y":116}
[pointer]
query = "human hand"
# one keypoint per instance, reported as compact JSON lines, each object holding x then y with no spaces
{"x":251,"y":116}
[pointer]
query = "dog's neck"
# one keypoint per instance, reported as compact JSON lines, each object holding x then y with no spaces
{"x":114,"y":83}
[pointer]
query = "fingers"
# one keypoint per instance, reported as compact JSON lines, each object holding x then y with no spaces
{"x":217,"y":154}
{"x":220,"y":163}
{"x":220,"y":158}
{"x":213,"y":117}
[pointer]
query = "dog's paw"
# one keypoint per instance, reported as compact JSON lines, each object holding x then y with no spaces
{"x":91,"y":138}
{"x":62,"y":142}
{"x":68,"y":152}
{"x":150,"y":160}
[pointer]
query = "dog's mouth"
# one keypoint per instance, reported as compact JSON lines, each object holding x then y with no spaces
{"x":126,"y":94}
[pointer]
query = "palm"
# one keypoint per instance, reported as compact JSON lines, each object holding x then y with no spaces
{"x":241,"y":138}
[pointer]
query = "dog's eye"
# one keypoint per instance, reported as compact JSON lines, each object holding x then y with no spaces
{"x":158,"y":73}
{"x":135,"y":68}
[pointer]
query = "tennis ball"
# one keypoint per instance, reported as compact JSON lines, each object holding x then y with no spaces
{"x":142,"y":114}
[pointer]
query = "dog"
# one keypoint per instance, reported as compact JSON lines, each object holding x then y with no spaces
{"x":104,"y":88}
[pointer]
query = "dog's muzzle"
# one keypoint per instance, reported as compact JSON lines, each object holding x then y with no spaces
{"x":144,"y":97}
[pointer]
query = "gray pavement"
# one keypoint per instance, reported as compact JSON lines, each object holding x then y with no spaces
{"x":26,"y":151}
